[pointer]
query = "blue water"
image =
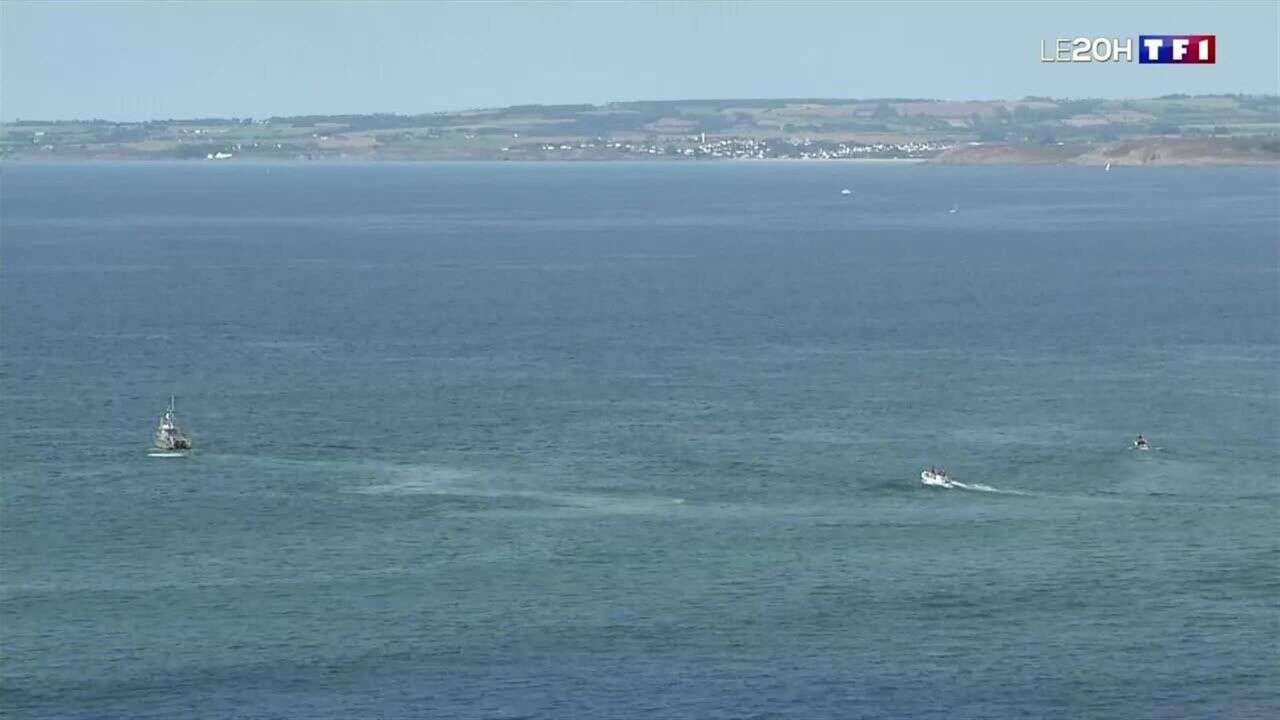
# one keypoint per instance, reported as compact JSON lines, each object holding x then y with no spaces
{"x":616,"y":441}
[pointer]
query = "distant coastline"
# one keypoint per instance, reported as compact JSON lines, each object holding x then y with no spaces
{"x":1153,"y":152}
{"x":1170,"y":130}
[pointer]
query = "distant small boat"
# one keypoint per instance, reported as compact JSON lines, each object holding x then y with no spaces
{"x":1107,"y":168}
{"x":846,"y":191}
{"x":955,"y":208}
{"x":1141,"y":444}
{"x":169,"y":440}
{"x":935,"y":477}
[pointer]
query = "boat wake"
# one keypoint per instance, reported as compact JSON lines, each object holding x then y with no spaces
{"x":419,"y":480}
{"x":974,"y":487}
{"x":470,"y":485}
{"x":937,"y":477}
{"x":979,"y":487}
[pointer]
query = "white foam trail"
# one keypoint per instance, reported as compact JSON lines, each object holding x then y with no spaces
{"x":418,"y":480}
{"x":979,"y":487}
{"x":444,"y":480}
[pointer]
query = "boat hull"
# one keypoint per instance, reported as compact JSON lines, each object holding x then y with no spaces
{"x":928,"y":478}
{"x":165,"y":454}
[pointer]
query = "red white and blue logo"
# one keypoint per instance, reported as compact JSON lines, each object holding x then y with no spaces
{"x":1177,"y":49}
{"x":1151,"y":50}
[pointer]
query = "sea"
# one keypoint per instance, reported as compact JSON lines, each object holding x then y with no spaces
{"x":639,"y":440}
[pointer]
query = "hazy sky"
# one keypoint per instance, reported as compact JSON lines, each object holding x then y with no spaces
{"x":158,"y":60}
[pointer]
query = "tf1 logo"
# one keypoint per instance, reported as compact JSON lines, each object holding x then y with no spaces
{"x":1151,"y":49}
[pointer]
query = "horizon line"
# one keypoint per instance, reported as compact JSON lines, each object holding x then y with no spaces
{"x":1024,"y":98}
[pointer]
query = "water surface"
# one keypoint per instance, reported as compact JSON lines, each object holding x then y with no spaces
{"x":635,"y":440}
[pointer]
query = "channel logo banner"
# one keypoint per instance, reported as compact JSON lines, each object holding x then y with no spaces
{"x":1177,"y":49}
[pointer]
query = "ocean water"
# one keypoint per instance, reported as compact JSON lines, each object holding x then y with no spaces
{"x":639,"y":440}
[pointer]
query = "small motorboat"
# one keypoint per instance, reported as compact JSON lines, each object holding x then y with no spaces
{"x":846,"y":191}
{"x":935,"y":477}
{"x":1141,"y":444}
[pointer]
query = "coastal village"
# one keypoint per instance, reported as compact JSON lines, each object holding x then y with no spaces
{"x":742,"y":148}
